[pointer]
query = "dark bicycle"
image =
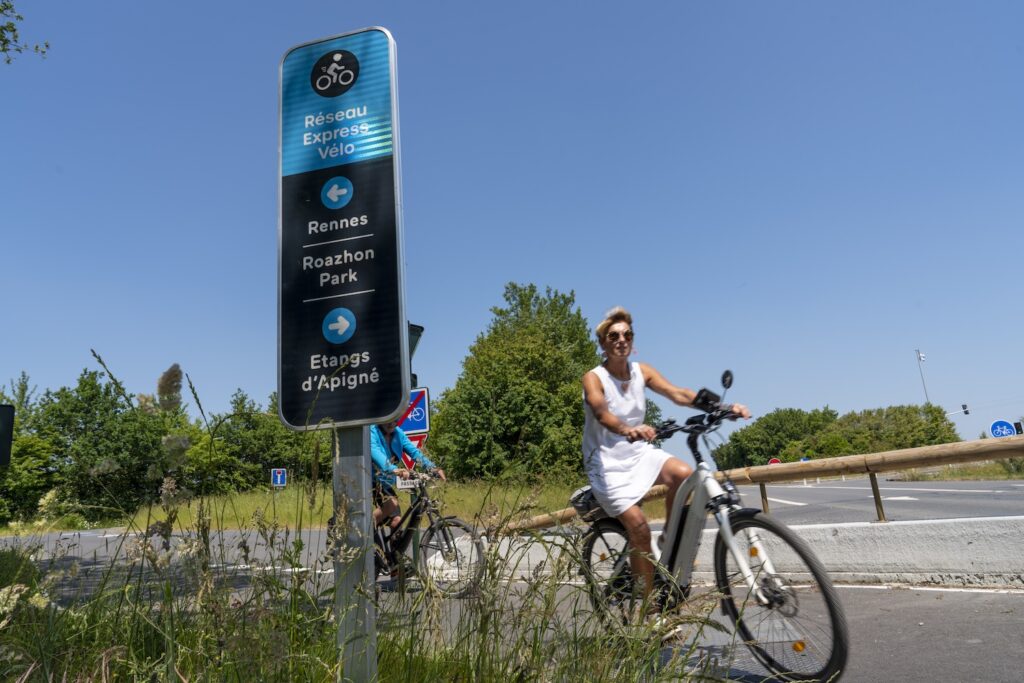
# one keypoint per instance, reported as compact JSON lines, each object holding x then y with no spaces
{"x":450,"y":552}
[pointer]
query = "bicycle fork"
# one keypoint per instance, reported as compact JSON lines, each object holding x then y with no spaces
{"x":721,"y":513}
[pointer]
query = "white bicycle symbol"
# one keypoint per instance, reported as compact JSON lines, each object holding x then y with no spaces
{"x":1002,"y":430}
{"x":335,"y":73}
{"x":417,"y":414}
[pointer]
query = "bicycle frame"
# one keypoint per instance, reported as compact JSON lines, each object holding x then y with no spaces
{"x":699,"y":495}
{"x":419,"y":506}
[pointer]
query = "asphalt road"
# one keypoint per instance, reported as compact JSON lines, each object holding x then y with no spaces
{"x":925,"y":635}
{"x":832,"y":501}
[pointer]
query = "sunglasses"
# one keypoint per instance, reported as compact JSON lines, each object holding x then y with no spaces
{"x":614,"y":335}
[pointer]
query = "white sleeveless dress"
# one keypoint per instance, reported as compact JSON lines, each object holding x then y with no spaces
{"x":620,"y":472}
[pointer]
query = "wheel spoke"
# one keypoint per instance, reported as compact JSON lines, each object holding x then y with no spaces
{"x":792,"y":623}
{"x":451,"y":557}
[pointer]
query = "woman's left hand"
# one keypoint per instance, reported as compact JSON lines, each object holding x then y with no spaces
{"x":741,"y":410}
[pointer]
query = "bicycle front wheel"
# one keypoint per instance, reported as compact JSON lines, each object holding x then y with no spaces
{"x":607,"y":571}
{"x":452,"y":557}
{"x":791,"y":619}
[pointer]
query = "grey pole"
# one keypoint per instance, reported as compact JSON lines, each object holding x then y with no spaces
{"x":354,"y":575}
{"x":920,"y":369}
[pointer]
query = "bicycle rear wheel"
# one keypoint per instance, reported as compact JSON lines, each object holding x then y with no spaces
{"x":452,"y":557}
{"x":607,"y":572}
{"x":798,"y":630}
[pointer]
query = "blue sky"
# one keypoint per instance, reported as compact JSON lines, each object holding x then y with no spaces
{"x":804,"y":192}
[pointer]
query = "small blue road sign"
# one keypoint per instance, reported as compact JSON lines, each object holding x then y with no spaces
{"x":1002,"y":428}
{"x":417,"y":421}
{"x":278,"y":477}
{"x":806,"y":458}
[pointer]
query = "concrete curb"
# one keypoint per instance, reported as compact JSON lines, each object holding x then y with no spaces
{"x":983,"y":551}
{"x":978,"y":552}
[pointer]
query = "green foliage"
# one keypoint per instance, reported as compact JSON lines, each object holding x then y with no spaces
{"x":30,"y":475}
{"x":16,"y":566}
{"x":168,"y":389}
{"x":517,"y":405}
{"x":791,"y":434}
{"x":1013,"y":466}
{"x":107,"y":454}
{"x":770,"y":435}
{"x":22,"y":395}
{"x":10,"y":40}
{"x":241,"y":447}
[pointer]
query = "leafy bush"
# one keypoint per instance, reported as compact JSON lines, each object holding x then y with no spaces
{"x":791,"y":434}
{"x":517,"y":405}
{"x":16,"y":566}
{"x":1013,"y":466}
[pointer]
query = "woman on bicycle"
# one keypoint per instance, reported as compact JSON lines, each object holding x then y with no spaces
{"x":619,"y":460}
{"x":387,"y":444}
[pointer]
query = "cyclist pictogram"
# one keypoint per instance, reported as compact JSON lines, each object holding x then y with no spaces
{"x":334,"y":73}
{"x":1002,"y":428}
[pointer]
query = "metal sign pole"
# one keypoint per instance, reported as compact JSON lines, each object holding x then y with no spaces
{"x":343,"y":337}
{"x":354,"y":610}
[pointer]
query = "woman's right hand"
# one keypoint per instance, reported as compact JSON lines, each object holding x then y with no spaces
{"x":640,"y":433}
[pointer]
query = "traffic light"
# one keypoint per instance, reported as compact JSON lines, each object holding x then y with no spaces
{"x":1018,"y":428}
{"x":6,"y":434}
{"x":415,"y":332}
{"x":964,"y":406}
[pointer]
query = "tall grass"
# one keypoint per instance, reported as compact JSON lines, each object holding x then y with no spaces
{"x":1010,"y":468}
{"x":180,"y":606}
{"x":298,"y":504}
{"x":178,"y":601}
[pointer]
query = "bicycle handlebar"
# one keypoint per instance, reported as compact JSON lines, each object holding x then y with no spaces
{"x":698,"y":424}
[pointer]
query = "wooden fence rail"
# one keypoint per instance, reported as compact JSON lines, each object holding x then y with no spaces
{"x":870,"y":464}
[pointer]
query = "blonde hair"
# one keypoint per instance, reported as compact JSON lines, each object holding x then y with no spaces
{"x":615,"y":315}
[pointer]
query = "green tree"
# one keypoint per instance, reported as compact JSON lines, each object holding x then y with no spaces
{"x":168,"y":389}
{"x":22,"y":395}
{"x":886,"y":429}
{"x":10,"y":40}
{"x":108,"y":456}
{"x":517,"y":404}
{"x":30,"y":475}
{"x":771,"y":435}
{"x":241,"y":446}
{"x":791,"y":434}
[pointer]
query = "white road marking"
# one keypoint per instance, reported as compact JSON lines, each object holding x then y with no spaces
{"x":787,"y":502}
{"x":891,"y":488}
{"x":934,"y":589}
{"x":895,"y":498}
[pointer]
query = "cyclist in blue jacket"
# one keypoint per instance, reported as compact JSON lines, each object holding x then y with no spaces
{"x":387,"y":443}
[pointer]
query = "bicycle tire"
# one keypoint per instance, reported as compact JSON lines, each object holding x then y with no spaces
{"x":451,"y":547}
{"x":802,"y":635}
{"x":607,"y":572}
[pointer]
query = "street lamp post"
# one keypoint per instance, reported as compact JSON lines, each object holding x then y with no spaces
{"x":920,"y":368}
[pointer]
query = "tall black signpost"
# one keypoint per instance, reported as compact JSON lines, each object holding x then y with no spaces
{"x":343,"y":360}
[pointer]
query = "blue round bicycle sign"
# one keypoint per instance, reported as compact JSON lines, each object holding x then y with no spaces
{"x":1002,"y":428}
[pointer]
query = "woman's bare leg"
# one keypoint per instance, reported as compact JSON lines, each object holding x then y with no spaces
{"x":639,"y":534}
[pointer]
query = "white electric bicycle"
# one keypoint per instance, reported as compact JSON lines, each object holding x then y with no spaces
{"x":772,"y":587}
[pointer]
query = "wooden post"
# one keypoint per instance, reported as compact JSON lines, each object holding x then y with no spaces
{"x":764,"y":498}
{"x":878,"y":497}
